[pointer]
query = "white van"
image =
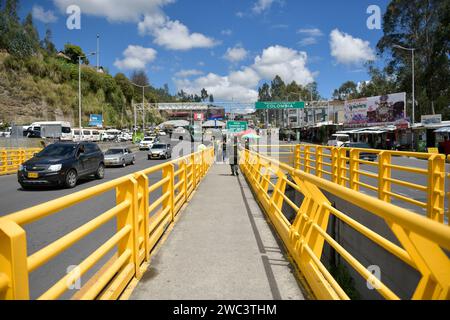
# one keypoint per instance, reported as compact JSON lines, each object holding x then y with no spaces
{"x":86,"y":135}
{"x":35,"y":130}
{"x":338,"y":139}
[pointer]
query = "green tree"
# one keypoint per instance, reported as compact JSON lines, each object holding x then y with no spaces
{"x":211,"y":98}
{"x":312,"y":91}
{"x":31,"y":31}
{"x":348,"y":90}
{"x":204,"y":94}
{"x":11,"y":9}
{"x":125,"y":85}
{"x":264,"y":93}
{"x":277,"y":89}
{"x":47,"y":43}
{"x":140,"y":78}
{"x":73,"y":52}
{"x":423,"y":25}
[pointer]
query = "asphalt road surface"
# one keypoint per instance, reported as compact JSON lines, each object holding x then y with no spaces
{"x":49,"y":229}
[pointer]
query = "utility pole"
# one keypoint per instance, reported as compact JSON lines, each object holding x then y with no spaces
{"x":79,"y":88}
{"x":98,"y":52}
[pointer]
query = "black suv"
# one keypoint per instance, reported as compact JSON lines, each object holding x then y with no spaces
{"x":62,"y":164}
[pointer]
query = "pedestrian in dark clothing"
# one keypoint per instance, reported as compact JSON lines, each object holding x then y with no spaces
{"x":224,"y":148}
{"x":233,"y":157}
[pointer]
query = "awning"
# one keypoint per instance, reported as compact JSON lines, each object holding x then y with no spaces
{"x":443,"y":130}
{"x":213,"y":124}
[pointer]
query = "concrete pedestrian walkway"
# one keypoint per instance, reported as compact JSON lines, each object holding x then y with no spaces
{"x":222,"y":248}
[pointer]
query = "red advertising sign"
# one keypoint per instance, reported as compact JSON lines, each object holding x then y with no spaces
{"x":199,"y":116}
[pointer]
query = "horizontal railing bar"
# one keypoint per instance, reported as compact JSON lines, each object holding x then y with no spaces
{"x":157,"y":185}
{"x":43,"y":210}
{"x":158,"y":202}
{"x":56,"y":247}
{"x":62,"y":285}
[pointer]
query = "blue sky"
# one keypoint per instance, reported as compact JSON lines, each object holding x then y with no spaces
{"x":229,"y":47}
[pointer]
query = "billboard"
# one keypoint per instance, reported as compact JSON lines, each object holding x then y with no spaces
{"x":431,"y":119}
{"x":376,"y":110}
{"x":216,"y":114}
{"x":96,"y":120}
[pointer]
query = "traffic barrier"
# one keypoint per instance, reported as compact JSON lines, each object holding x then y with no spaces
{"x":343,"y":166}
{"x":422,"y":241}
{"x":140,"y":225}
{"x":11,"y":159}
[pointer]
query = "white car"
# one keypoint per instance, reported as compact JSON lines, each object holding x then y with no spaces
{"x":124,"y":136}
{"x":147,"y":143}
{"x":337,"y":140}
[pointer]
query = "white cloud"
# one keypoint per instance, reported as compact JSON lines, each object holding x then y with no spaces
{"x":240,"y":14}
{"x":311,"y":36}
{"x":40,"y":14}
{"x":288,"y":63}
{"x":136,"y":58}
{"x":173,"y":35}
{"x":116,"y":10}
{"x":349,"y":50}
{"x":311,"y":32}
{"x":220,"y":87}
{"x":236,"y":54}
{"x":241,"y":85}
{"x":188,"y":73}
{"x":247,"y":77}
{"x":262,"y":5}
{"x":226,"y":32}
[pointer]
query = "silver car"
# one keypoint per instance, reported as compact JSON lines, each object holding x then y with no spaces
{"x":160,"y":151}
{"x":119,"y":157}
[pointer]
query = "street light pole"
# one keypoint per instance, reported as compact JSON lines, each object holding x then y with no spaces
{"x":79,"y":88}
{"x":413,"y":117}
{"x":143,"y":106}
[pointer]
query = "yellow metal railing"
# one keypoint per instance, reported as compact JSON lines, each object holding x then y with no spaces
{"x":344,"y":166}
{"x":422,"y":241}
{"x":11,"y":159}
{"x":140,"y":224}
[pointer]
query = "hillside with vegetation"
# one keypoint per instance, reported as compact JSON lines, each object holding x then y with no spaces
{"x":38,"y":82}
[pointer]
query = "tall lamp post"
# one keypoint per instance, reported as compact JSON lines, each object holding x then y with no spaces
{"x":143,"y":107}
{"x":413,"y":78}
{"x":79,"y":87}
{"x":413,"y":86}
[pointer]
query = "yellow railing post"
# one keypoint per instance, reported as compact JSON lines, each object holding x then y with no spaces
{"x":183,"y":166}
{"x":194,"y":170}
{"x":128,"y":192}
{"x":319,"y":160}
{"x":436,"y":187}
{"x":143,"y":215}
{"x":335,"y":165}
{"x":13,"y":262}
{"x":384,"y":173}
{"x":354,"y":167}
{"x":3,"y":160}
{"x":168,"y":171}
{"x":307,"y":159}
{"x":297,"y":157}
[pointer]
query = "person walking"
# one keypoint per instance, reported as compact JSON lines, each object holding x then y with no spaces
{"x":233,"y":156}
{"x":224,"y":148}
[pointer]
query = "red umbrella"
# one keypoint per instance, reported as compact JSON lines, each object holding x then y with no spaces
{"x":243,"y":133}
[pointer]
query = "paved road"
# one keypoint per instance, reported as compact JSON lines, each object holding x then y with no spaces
{"x":44,"y":231}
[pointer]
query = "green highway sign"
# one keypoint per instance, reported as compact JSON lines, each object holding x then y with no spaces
{"x":236,"y":126}
{"x":280,"y":105}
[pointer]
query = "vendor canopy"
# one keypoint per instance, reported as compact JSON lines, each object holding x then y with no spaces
{"x":443,"y":130}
